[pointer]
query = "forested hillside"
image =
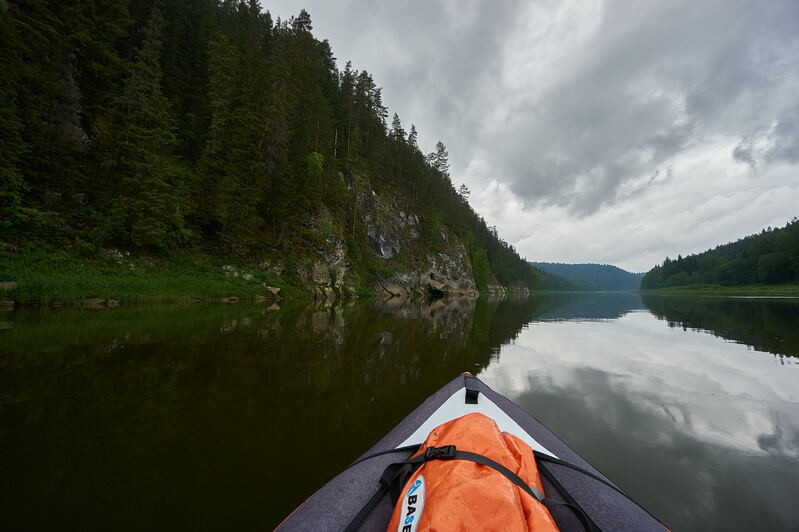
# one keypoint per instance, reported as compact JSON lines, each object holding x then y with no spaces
{"x":768,"y":258}
{"x":593,"y":277}
{"x":164,"y":127}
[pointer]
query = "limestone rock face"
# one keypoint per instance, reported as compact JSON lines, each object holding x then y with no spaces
{"x":410,"y":266}
{"x":388,"y":225}
{"x":328,"y":274}
{"x":449,"y":275}
{"x":394,"y":236}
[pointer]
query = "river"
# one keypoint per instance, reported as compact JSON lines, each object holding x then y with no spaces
{"x":213,"y":417}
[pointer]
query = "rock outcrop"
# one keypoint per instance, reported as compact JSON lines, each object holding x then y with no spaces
{"x":329,"y":275}
{"x":393,"y":238}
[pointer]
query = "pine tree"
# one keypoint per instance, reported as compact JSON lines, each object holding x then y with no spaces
{"x":442,"y":159}
{"x":413,"y":138}
{"x":185,"y":63}
{"x":397,"y":133}
{"x":439,"y":159}
{"x":233,"y":166}
{"x":12,"y":147}
{"x":147,"y":173}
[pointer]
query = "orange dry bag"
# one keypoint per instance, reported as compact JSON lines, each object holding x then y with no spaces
{"x":473,"y":477}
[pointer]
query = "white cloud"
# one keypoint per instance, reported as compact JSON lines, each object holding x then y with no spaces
{"x":718,"y":392}
{"x":616,"y":131}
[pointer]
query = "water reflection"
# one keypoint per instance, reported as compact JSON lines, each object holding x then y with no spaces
{"x":228,"y":416}
{"x":767,"y":324}
{"x":192,"y":417}
{"x":587,"y":307}
{"x":658,"y":451}
{"x":704,"y":433}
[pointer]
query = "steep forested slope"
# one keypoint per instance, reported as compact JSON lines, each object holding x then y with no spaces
{"x":599,"y":277}
{"x":768,"y":258}
{"x":164,"y":126}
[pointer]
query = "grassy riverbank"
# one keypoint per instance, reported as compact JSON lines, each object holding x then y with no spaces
{"x":61,"y":276}
{"x":791,"y":290}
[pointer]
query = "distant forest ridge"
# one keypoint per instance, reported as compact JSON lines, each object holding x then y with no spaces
{"x":593,"y":277}
{"x":165,"y":126}
{"x":770,"y":257}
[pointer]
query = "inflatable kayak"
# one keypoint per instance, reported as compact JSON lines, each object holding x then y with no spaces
{"x":573,"y":495}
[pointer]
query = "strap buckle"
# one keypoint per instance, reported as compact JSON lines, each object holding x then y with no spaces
{"x":447,"y":452}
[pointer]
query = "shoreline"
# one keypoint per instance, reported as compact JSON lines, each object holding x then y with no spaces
{"x":763,"y":291}
{"x":61,"y":279}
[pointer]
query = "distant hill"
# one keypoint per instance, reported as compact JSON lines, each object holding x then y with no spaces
{"x":593,"y":277}
{"x":544,"y":280}
{"x":770,"y":257}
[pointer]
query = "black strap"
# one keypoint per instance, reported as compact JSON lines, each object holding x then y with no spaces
{"x":396,"y":475}
{"x":413,"y":448}
{"x":358,"y":520}
{"x":569,"y":503}
{"x":470,"y":382}
{"x":578,"y":512}
{"x":496,"y":466}
{"x":557,"y":461}
{"x":361,"y":516}
{"x":551,"y":459}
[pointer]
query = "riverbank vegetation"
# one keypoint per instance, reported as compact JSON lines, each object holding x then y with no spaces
{"x":177,"y":130}
{"x":790,"y":290}
{"x":767,"y":262}
{"x":59,"y":277}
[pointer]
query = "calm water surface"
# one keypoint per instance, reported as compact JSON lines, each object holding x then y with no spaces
{"x":218,"y":417}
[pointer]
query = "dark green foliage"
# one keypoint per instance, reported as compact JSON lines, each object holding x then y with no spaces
{"x":233,"y":177}
{"x":768,"y":258}
{"x":142,"y":159}
{"x":593,"y":277}
{"x":12,"y":147}
{"x":481,"y":269}
{"x":203,"y":125}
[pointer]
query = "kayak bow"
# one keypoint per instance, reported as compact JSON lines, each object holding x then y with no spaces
{"x":582,"y":496}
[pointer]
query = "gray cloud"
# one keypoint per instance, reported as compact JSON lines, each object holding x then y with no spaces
{"x":786,"y":138}
{"x":647,"y":82}
{"x":577,"y":119}
{"x":657,"y":79}
{"x":779,"y":143}
{"x":432,"y":59}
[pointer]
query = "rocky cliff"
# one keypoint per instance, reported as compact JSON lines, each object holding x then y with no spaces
{"x":412,"y":259}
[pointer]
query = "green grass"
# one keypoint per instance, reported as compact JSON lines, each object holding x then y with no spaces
{"x":716,"y":290}
{"x":61,"y":276}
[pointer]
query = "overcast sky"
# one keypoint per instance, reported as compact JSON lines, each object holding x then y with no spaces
{"x":616,"y":132}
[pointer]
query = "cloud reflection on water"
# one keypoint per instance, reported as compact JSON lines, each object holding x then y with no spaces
{"x":699,"y":429}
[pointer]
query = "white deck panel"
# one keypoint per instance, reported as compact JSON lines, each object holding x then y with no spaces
{"x":456,"y":406}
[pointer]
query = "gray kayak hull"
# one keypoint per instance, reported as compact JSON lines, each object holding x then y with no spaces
{"x":336,"y":503}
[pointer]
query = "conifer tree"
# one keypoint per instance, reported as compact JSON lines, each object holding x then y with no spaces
{"x":442,"y":159}
{"x":147,"y":172}
{"x":439,"y":159}
{"x":12,"y":147}
{"x":190,"y":26}
{"x":413,"y":138}
{"x":397,"y":133}
{"x":235,"y":178}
